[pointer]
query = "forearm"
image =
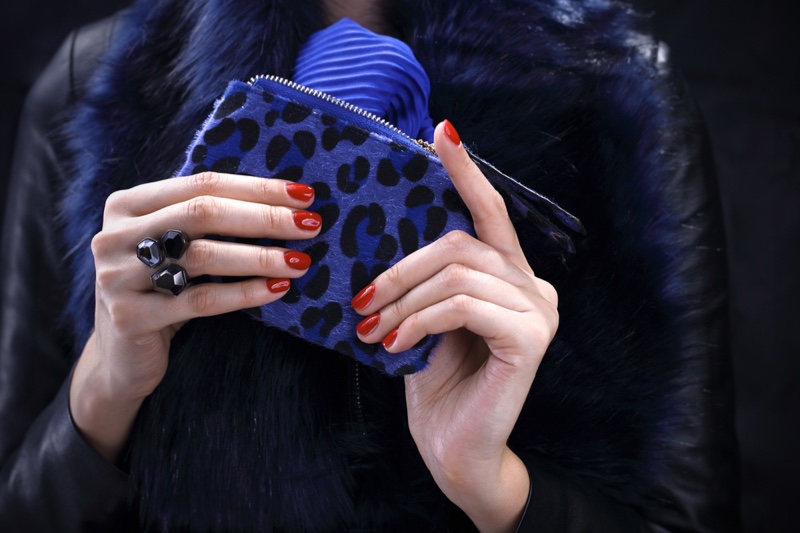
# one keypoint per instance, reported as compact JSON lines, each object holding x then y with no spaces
{"x":105,"y":419}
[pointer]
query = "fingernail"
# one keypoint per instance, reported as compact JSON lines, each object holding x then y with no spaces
{"x":297,"y":260}
{"x":451,"y":133}
{"x":363,"y":298}
{"x":307,"y":220}
{"x":368,"y":325}
{"x":278,"y":285}
{"x":300,"y":191}
{"x":389,"y":339}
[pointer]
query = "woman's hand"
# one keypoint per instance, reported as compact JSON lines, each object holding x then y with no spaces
{"x":127,"y":354}
{"x":499,"y":318}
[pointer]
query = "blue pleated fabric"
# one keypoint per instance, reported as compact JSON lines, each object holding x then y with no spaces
{"x":374,"y":72}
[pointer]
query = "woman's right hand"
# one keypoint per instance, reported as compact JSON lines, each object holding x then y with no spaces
{"x":126,"y":356}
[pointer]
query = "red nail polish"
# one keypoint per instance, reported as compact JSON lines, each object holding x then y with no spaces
{"x":363,"y":298}
{"x":389,"y":339}
{"x":307,"y":220}
{"x":300,"y":191}
{"x":368,"y":325}
{"x":278,"y":285}
{"x":451,"y":133}
{"x":297,"y":260}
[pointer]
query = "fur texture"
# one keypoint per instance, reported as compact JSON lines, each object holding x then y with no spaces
{"x":251,"y":429}
{"x":360,"y":238}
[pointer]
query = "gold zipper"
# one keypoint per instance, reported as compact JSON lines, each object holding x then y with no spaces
{"x":428,"y":147}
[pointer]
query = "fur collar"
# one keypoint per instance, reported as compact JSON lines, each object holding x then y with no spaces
{"x":248,"y":430}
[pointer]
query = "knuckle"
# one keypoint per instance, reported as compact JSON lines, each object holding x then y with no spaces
{"x":396,"y":311}
{"x":200,"y":254}
{"x":546,"y":326}
{"x":107,"y":274}
{"x":496,"y":203}
{"x":455,"y":275}
{"x":201,"y":300}
{"x":465,"y":166}
{"x":250,"y":294}
{"x":394,"y":274}
{"x":414,"y":324}
{"x":493,"y":208}
{"x":106,"y":278}
{"x":98,"y":244}
{"x":543,"y":335}
{"x":549,"y":292}
{"x":264,"y":188}
{"x":103,"y":244}
{"x":461,"y":303}
{"x":205,"y":183}
{"x":116,"y":202}
{"x":265,"y":259}
{"x":120,"y":315}
{"x":271,"y":218}
{"x":103,"y":279}
{"x":554,"y":321}
{"x":457,"y":242}
{"x":202,"y":209}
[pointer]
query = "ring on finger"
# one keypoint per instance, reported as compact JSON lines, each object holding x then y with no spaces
{"x":171,"y":245}
{"x":172,"y":279}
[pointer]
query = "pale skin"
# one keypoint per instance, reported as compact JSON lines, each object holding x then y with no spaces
{"x":497,"y":316}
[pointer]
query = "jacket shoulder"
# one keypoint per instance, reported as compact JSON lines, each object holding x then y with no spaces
{"x":69,"y":72}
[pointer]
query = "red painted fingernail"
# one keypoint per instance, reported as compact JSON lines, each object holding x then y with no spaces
{"x":307,"y":220}
{"x":363,"y":298}
{"x":278,"y":285}
{"x":389,"y":339}
{"x":368,"y":325}
{"x":451,"y":133}
{"x":300,"y":191}
{"x":297,"y":260}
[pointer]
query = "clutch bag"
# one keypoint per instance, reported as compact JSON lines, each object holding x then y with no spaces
{"x":381,"y":195}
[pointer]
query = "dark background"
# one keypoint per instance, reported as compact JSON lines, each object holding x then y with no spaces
{"x":740,"y":61}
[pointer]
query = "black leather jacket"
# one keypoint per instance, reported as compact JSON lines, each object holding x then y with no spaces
{"x":52,"y":480}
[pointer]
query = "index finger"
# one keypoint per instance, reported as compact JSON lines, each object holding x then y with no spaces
{"x":150,"y":197}
{"x":489,"y":214}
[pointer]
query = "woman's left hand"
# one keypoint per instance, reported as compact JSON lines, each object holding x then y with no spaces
{"x":499,"y":319}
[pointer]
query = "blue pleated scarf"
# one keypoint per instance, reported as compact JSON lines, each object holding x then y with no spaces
{"x":374,"y":72}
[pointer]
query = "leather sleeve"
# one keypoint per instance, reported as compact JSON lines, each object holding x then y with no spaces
{"x":560,"y":501}
{"x":50,"y":478}
{"x":698,"y":488}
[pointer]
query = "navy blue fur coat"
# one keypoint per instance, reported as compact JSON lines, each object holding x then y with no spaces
{"x":627,"y":425}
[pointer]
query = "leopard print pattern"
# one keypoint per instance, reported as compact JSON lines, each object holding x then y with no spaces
{"x":380,"y":196}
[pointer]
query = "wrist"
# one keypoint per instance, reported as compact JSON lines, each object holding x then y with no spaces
{"x":101,"y":412}
{"x":495,"y":500}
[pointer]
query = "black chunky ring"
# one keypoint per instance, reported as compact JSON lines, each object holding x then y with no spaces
{"x":171,"y":279}
{"x":174,"y":242}
{"x":150,"y":252}
{"x":172,"y":245}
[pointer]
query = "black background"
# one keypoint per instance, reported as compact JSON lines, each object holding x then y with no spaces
{"x":740,"y":61}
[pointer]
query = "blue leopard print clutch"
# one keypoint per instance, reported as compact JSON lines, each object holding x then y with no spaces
{"x":381,"y":196}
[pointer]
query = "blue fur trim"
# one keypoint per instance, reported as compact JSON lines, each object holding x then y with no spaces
{"x":565,"y":95}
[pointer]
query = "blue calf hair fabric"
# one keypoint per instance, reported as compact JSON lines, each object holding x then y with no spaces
{"x":380,"y":195}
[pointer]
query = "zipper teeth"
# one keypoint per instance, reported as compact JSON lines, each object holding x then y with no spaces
{"x":359,"y":410}
{"x":428,"y":147}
